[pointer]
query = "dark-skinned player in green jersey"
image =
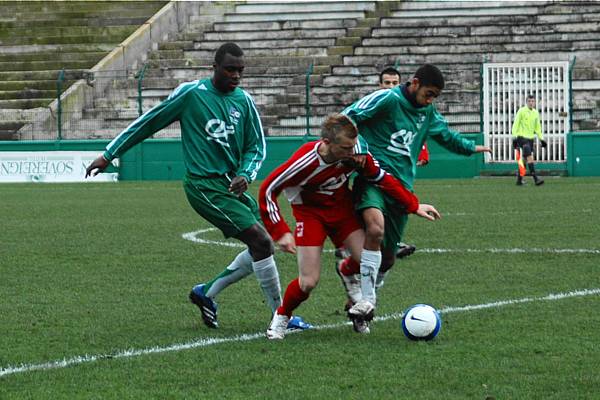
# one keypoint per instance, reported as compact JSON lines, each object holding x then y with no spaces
{"x":395,"y":123}
{"x":223,"y":149}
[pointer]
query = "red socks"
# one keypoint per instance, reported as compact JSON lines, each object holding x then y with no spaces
{"x":349,"y":267}
{"x":292,"y":298}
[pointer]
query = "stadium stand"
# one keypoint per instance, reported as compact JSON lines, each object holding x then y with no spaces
{"x":40,"y":38}
{"x":348,"y":43}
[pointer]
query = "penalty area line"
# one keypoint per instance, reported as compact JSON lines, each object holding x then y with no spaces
{"x":205,"y":342}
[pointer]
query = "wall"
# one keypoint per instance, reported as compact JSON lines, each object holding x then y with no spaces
{"x":161,"y":159}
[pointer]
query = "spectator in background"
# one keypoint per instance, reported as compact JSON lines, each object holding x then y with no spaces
{"x":524,"y":130}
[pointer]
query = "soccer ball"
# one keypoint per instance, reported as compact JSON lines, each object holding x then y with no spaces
{"x":421,"y":322}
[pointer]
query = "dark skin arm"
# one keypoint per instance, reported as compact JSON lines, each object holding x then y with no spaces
{"x":238,"y":185}
{"x":97,"y":166}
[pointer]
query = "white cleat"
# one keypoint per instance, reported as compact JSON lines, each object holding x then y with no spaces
{"x":278,"y":326}
{"x":363,"y":309}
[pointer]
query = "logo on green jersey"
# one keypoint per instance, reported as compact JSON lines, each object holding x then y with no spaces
{"x":400,"y":142}
{"x":217,"y":130}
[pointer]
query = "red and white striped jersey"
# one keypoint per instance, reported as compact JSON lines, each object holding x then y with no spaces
{"x":308,"y":181}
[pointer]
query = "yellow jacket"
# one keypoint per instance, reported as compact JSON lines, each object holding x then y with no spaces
{"x":527,"y":124}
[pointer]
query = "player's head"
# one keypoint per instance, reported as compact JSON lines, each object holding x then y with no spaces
{"x":389,"y":78}
{"x":531,"y":101}
{"x":228,"y":67}
{"x":427,"y":84}
{"x":339,"y":136}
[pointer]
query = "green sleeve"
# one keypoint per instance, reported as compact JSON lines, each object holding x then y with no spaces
{"x":369,"y":106}
{"x":254,"y":151}
{"x":149,"y":123}
{"x":446,"y":137}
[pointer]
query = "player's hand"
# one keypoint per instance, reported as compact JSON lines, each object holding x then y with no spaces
{"x":483,"y":149}
{"x":97,"y":166}
{"x":238,"y":185}
{"x":422,"y":163}
{"x":428,"y":212}
{"x":544,"y":143}
{"x":286,"y":243}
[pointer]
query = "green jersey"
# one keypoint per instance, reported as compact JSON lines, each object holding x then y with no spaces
{"x":396,"y":131}
{"x":221,"y":133}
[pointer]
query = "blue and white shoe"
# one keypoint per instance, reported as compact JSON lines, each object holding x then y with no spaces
{"x":296,"y":323}
{"x":207,"y":306}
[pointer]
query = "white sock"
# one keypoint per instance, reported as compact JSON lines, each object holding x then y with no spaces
{"x":268,"y":278}
{"x":239,"y":268}
{"x":369,"y":266}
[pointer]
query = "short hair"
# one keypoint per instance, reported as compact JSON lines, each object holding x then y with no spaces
{"x":530,"y":96}
{"x":336,"y":124}
{"x":430,"y":75}
{"x":388,"y":71}
{"x":228,"y":48}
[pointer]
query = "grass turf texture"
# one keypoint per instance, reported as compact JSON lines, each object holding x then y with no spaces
{"x":101,"y":268}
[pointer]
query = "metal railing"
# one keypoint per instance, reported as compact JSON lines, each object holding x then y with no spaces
{"x":110,"y":102}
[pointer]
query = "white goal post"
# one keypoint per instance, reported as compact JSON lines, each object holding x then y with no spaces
{"x":505,"y":89}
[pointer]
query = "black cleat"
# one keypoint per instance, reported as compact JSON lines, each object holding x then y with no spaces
{"x":208,"y":308}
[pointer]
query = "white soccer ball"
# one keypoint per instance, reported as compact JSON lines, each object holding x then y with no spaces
{"x":421,"y":322}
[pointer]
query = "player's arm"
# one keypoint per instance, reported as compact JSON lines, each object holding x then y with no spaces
{"x":395,"y":189}
{"x":254,"y":152}
{"x":452,"y":140}
{"x":147,"y":124}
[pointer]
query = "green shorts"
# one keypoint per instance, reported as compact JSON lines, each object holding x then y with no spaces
{"x":370,"y":196}
{"x":211,"y":199}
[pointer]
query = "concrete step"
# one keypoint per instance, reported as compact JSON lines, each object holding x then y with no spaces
{"x":501,"y":56}
{"x":303,"y":6}
{"x":40,"y":75}
{"x":524,"y":47}
{"x":56,"y":48}
{"x":25,"y":103}
{"x":45,"y":65}
{"x":250,"y":17}
{"x":289,"y":52}
{"x":8,"y":8}
{"x":441,"y":22}
{"x":379,"y":39}
{"x":108,"y":38}
{"x":479,"y":27}
{"x":247,"y":38}
{"x":32,"y":85}
{"x":26,"y":94}
{"x":109,"y":30}
{"x":471,"y":12}
{"x":262,"y":26}
{"x":75,"y":22}
{"x":54,"y":56}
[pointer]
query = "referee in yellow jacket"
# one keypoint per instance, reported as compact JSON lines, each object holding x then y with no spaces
{"x":526,"y":126}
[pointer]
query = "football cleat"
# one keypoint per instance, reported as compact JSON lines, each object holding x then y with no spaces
{"x":207,"y":306}
{"x":296,"y":323}
{"x":277,"y":327}
{"x":351,"y":283}
{"x":363,"y":309}
{"x":405,"y":250}
{"x":360,"y":326}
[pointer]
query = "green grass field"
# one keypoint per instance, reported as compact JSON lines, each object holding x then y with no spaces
{"x":97,"y":276}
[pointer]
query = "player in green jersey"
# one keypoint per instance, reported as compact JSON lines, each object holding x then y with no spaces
{"x":395,"y":123}
{"x":223,"y":149}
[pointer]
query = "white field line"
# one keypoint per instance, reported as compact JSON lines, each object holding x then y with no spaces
{"x":196,"y":237}
{"x":205,"y":342}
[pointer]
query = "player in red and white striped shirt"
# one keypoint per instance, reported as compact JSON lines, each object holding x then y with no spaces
{"x":315,"y":181}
